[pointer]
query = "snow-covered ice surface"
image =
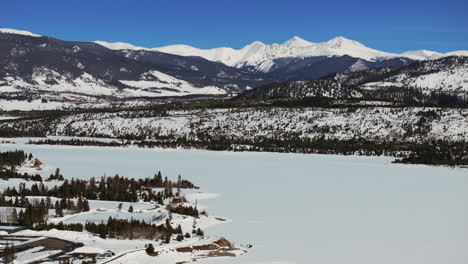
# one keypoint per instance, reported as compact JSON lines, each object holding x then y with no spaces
{"x":297,"y":208}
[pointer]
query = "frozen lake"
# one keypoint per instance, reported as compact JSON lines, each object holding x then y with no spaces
{"x":297,"y":208}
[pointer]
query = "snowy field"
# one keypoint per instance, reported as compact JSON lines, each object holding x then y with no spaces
{"x":297,"y":208}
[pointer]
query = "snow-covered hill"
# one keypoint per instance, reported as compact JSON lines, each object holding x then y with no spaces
{"x":443,"y":75}
{"x":51,"y":72}
{"x":447,"y":76}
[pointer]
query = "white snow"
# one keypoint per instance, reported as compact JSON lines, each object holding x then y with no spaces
{"x":33,"y":254}
{"x":421,"y":54}
{"x":297,"y":42}
{"x":152,"y":83}
{"x":453,"y":79}
{"x":118,"y":45}
{"x":262,"y":56}
{"x":18,"y":32}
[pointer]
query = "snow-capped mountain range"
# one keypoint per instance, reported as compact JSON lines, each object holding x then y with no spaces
{"x":262,"y":56}
{"x":45,"y":70}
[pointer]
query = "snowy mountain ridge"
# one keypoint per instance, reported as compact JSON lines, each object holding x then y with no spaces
{"x":18,"y":32}
{"x":48,"y":71}
{"x":262,"y":56}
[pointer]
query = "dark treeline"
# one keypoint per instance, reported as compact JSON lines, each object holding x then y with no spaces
{"x":60,"y":226}
{"x":184,"y":210}
{"x":417,"y":97}
{"x":451,"y":154}
{"x":37,"y":211}
{"x":133,"y":229}
{"x":78,"y":142}
{"x":8,"y":174}
{"x":9,"y":160}
{"x":436,"y":152}
{"x":115,"y":188}
{"x":13,"y":158}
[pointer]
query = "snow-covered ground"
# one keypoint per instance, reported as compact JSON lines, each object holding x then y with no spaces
{"x":247,"y":123}
{"x":448,"y":80}
{"x":166,"y":85}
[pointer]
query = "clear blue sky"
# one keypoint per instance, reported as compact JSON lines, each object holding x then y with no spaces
{"x":392,"y":26}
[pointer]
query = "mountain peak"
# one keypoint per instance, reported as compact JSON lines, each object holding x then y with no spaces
{"x":341,"y":41}
{"x":297,"y":42}
{"x":18,"y":32}
{"x":256,"y":45}
{"x":118,"y":45}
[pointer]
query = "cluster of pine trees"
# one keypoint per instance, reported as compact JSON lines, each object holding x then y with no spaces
{"x":184,"y":210}
{"x":8,"y":254}
{"x":115,"y":188}
{"x":12,"y":159}
{"x":37,"y":212}
{"x":78,"y":142}
{"x":60,"y":226}
{"x":133,"y":229}
{"x":11,"y":174}
{"x":437,"y":152}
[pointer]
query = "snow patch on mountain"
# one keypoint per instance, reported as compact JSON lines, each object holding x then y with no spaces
{"x":119,"y":45}
{"x":457,"y":53}
{"x":50,"y":80}
{"x":340,"y":46}
{"x":422,"y":55}
{"x":453,"y":80}
{"x":359,"y":65}
{"x":18,"y":32}
{"x":297,"y":42}
{"x":165,"y":85}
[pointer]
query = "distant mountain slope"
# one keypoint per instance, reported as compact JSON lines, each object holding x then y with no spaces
{"x":448,"y":75}
{"x":50,"y":72}
{"x":261,"y":57}
{"x":34,"y":67}
{"x":258,"y":56}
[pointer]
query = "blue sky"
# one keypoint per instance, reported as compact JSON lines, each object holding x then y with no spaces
{"x":392,"y":26}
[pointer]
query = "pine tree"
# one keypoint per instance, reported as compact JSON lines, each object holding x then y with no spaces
{"x":21,"y":217}
{"x":200,"y":232}
{"x":9,"y":254}
{"x":13,"y":216}
{"x":85,"y":205}
{"x":150,"y":249}
{"x":58,"y":209}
